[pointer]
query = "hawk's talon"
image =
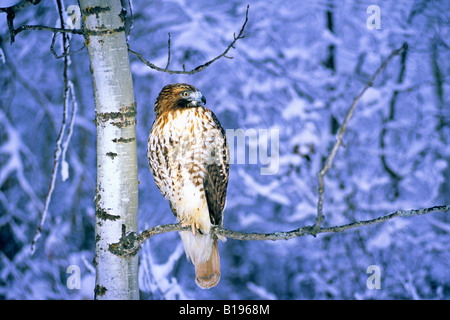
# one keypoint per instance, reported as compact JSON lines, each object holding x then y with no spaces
{"x":195,"y":227}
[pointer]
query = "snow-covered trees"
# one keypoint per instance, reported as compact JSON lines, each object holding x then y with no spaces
{"x":297,"y":70}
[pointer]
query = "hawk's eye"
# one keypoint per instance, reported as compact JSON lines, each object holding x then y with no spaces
{"x":185,"y":94}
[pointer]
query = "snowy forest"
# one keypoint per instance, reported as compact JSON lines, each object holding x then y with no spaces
{"x":296,"y":73}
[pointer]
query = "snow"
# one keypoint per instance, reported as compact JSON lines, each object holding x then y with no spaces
{"x":278,"y":79}
{"x":266,"y":190}
{"x":156,"y":277}
{"x":2,"y":56}
{"x":261,"y":292}
{"x":72,"y":102}
{"x":295,"y":109}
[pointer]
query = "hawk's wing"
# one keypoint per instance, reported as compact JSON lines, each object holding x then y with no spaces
{"x":158,"y":159}
{"x":216,"y":177}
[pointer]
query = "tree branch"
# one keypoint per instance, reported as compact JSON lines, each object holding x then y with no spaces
{"x":201,"y":67}
{"x":20,"y":5}
{"x":81,"y":31}
{"x":130,"y":243}
{"x":64,"y":54}
{"x":168,"y":54}
{"x":343,"y":128}
{"x":395,"y":177}
{"x":11,"y":14}
{"x":59,"y":150}
{"x":46,"y":28}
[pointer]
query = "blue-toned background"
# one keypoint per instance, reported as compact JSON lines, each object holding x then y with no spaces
{"x":297,"y":70}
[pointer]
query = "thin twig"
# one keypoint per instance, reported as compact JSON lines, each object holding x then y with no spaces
{"x":53,"y":51}
{"x":168,"y":54}
{"x":130,"y":243}
{"x":11,"y":14}
{"x":65,"y":145}
{"x":395,"y":177}
{"x":20,"y":5}
{"x":59,"y":141}
{"x":203,"y":66}
{"x":343,"y":128}
{"x":14,"y":32}
{"x":130,"y":5}
{"x":62,"y":30}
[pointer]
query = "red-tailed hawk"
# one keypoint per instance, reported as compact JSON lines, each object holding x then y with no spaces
{"x":189,"y":158}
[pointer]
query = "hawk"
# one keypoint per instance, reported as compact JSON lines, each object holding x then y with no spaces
{"x":189,"y":158}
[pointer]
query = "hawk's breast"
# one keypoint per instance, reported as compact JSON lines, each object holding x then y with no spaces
{"x":181,"y":145}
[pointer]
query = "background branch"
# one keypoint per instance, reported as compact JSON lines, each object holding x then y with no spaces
{"x":343,"y":128}
{"x":20,"y":5}
{"x":11,"y":14}
{"x":201,"y":67}
{"x":168,"y":53}
{"x":395,"y":177}
{"x":64,"y":54}
{"x":61,"y":145}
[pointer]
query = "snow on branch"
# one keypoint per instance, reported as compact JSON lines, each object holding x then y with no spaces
{"x":201,"y":67}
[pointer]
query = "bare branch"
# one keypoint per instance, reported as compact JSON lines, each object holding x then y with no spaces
{"x":63,"y":30}
{"x":63,"y":55}
{"x":11,"y":14}
{"x":52,"y":29}
{"x":343,"y":128}
{"x":130,"y":243}
{"x":395,"y":177}
{"x":13,"y":32}
{"x":20,"y":5}
{"x":168,"y":53}
{"x":201,"y":67}
{"x":59,"y":150}
{"x":131,"y":17}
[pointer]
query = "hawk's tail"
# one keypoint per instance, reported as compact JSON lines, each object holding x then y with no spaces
{"x":207,"y":274}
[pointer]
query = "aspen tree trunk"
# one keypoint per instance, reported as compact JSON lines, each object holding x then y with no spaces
{"x":116,"y":196}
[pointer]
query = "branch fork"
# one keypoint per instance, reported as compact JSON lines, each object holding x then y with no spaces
{"x":201,"y":67}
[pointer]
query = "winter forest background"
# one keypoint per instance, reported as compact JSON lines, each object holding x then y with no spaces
{"x":298,"y":70}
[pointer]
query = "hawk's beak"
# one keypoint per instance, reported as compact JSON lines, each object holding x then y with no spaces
{"x":198,"y":99}
{"x":203,"y":100}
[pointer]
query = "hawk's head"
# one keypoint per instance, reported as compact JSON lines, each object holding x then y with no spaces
{"x":178,"y":95}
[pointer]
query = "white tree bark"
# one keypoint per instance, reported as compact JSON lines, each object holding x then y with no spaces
{"x":116,"y":196}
